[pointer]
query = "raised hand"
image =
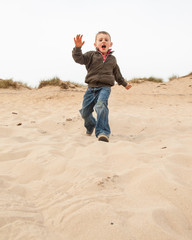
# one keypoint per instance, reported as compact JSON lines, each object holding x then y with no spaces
{"x":78,"y":41}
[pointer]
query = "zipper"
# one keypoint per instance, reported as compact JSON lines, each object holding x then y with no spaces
{"x":106,"y":56}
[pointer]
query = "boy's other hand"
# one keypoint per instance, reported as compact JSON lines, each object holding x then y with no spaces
{"x":128,"y":86}
{"x":78,"y":41}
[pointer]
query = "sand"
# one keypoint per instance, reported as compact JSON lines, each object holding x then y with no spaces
{"x":58,"y":183}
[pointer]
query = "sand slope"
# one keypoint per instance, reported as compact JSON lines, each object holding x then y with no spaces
{"x":58,"y":183}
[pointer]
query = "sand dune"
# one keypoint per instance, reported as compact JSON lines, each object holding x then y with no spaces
{"x":58,"y":183}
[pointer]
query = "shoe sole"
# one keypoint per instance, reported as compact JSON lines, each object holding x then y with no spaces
{"x":103,"y":138}
{"x":88,"y":134}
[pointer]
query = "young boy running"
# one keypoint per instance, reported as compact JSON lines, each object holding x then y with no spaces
{"x":102,"y":72}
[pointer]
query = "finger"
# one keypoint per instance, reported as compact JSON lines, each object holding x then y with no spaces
{"x":76,"y":37}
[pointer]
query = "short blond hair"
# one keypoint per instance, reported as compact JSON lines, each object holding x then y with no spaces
{"x":102,"y":32}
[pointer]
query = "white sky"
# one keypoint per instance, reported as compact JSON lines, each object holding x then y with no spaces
{"x":150,"y":37}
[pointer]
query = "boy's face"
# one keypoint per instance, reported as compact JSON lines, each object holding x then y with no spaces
{"x":103,"y":43}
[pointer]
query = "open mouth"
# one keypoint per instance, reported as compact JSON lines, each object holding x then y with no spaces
{"x":103,"y":46}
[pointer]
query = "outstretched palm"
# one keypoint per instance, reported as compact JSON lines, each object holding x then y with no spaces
{"x":78,"y":41}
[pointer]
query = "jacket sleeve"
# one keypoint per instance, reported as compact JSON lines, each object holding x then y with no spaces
{"x":79,"y":57}
{"x":118,"y":77}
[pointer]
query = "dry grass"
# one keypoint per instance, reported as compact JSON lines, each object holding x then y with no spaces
{"x":173,"y":77}
{"x":9,"y":83}
{"x":150,"y":79}
{"x":58,"y":82}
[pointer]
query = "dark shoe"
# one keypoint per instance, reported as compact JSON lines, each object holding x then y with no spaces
{"x":103,"y":138}
{"x":89,"y":133}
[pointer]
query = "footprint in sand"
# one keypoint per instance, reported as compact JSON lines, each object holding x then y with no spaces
{"x":108,"y":182}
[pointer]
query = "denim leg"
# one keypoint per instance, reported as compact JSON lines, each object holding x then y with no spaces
{"x":87,"y":110}
{"x":101,"y":108}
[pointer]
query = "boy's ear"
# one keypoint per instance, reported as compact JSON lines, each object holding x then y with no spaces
{"x":111,"y":44}
{"x":95,"y":44}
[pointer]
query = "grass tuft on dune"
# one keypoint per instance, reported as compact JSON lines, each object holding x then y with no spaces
{"x":150,"y":79}
{"x":58,"y":82}
{"x":9,"y":83}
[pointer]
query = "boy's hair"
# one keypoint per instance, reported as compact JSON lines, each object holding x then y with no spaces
{"x":102,"y":32}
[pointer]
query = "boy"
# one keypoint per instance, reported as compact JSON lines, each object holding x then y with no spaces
{"x":102,"y":72}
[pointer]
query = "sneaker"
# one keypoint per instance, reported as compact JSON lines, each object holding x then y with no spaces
{"x":103,"y":138}
{"x":89,"y":133}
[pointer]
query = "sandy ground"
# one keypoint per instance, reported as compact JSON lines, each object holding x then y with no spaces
{"x":58,"y":183}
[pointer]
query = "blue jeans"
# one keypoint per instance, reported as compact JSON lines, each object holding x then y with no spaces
{"x":96,"y":98}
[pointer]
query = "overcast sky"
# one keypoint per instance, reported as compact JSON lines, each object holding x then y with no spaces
{"x":150,"y":37}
